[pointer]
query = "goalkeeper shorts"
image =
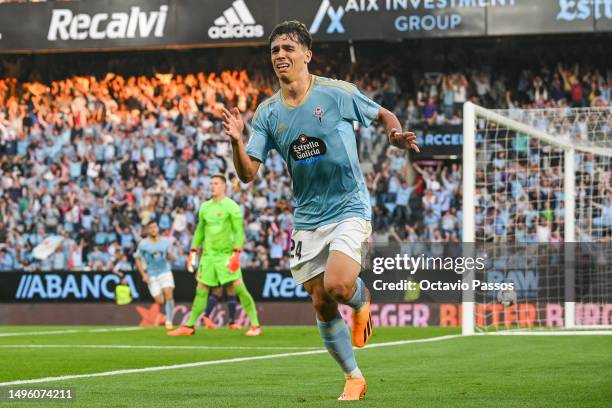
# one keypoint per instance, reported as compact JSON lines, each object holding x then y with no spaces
{"x":310,"y":249}
{"x":213,"y":270}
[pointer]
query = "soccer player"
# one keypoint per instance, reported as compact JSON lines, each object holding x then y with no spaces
{"x":220,"y":233}
{"x":153,"y":258}
{"x":309,"y":121}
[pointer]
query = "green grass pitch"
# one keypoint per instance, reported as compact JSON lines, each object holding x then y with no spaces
{"x":480,"y":371}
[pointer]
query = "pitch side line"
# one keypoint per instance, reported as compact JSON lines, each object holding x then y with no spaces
{"x":215,"y":362}
{"x":151,"y":347}
{"x":69,"y":331}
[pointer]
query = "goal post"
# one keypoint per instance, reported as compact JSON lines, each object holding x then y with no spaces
{"x":537,"y":186}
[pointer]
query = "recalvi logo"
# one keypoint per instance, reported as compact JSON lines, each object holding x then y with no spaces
{"x":65,"y":25}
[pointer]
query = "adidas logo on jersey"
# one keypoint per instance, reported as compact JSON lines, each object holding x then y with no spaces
{"x":236,"y":22}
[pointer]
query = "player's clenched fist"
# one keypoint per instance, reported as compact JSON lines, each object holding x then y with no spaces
{"x":233,"y":124}
{"x":192,"y":260}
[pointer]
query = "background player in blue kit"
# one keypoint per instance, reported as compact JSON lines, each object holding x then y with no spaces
{"x":309,"y":121}
{"x":153,"y":259}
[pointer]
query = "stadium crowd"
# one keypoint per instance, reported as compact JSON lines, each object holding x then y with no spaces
{"x":92,"y":158}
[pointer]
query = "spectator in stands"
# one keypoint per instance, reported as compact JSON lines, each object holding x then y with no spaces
{"x":401,"y":213}
{"x":430,"y":111}
{"x":482,"y":81}
{"x":460,"y":86}
{"x":7,"y":260}
{"x":448,"y":96}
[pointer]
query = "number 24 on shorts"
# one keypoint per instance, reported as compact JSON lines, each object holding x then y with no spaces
{"x":297,"y":248}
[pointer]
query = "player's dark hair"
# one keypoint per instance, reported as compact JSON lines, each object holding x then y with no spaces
{"x":149,"y":223}
{"x":219,"y":176}
{"x":295,"y":30}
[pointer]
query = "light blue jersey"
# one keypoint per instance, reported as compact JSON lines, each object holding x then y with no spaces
{"x":317,"y":141}
{"x":155,"y":255}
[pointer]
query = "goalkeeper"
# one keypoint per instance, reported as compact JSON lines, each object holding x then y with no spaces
{"x":220,"y":235}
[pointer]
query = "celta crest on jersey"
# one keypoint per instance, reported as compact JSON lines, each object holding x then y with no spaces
{"x":318,"y":113}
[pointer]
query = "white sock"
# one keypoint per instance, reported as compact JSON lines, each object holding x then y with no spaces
{"x":356,"y":373}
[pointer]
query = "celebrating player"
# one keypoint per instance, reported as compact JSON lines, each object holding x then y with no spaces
{"x":309,"y":121}
{"x":221,"y":234}
{"x":153,"y":259}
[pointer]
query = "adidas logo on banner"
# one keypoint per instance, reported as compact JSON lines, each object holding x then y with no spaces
{"x":236,"y":22}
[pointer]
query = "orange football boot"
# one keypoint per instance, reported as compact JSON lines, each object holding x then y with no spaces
{"x":253,"y":331}
{"x":362,"y":323}
{"x":354,"y":389}
{"x":208,"y":323}
{"x":234,"y":326}
{"x":182,"y":331}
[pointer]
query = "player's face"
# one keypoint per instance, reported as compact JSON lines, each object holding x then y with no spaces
{"x":217,"y":187}
{"x":153,"y":230}
{"x":289,"y":57}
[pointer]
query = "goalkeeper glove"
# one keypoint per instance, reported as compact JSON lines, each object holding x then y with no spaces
{"x":192,"y":260}
{"x":234,"y":261}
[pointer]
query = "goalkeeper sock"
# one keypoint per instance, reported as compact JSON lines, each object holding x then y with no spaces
{"x":169,"y":309}
{"x":232,"y":302}
{"x":337,"y":340}
{"x":198,"y":306}
{"x":247,"y":302}
{"x":212,"y":302}
{"x":359,"y":297}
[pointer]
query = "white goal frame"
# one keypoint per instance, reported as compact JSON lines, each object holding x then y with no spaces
{"x":470,"y":113}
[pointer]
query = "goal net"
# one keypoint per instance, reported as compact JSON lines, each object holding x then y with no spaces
{"x":537,"y":206}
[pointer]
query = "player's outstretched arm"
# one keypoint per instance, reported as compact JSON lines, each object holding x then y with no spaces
{"x":246,"y":167}
{"x":399,"y":139}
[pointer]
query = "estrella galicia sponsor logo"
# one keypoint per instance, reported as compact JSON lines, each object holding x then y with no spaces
{"x":236,"y":22}
{"x":307,"y":149}
{"x":278,"y":286}
{"x":65,"y":25}
{"x":86,"y":286}
{"x":572,"y":10}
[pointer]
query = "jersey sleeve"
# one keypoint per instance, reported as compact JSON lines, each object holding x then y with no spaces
{"x":198,"y":235}
{"x":356,"y":106}
{"x":260,"y":142}
{"x":237,"y":225}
